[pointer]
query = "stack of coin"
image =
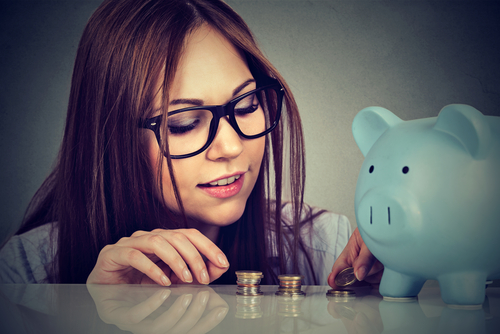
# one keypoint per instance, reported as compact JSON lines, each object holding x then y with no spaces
{"x":290,"y":285}
{"x":340,"y":295}
{"x":248,"y":283}
{"x":344,"y":278}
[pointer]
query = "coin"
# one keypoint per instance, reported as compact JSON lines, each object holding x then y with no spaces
{"x":340,"y":295}
{"x":290,"y":285}
{"x":346,"y":277}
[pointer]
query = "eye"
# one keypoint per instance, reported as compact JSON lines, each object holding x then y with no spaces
{"x":247,"y":106}
{"x":406,"y":169}
{"x":371,"y":169}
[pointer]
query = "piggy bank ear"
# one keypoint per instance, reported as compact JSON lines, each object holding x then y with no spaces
{"x":369,"y":124}
{"x":468,"y":126}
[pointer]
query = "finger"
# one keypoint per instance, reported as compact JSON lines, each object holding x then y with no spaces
{"x":193,"y":313}
{"x":347,"y":257}
{"x":206,"y":247}
{"x":191,"y":245}
{"x":166,"y":245}
{"x":171,"y":317}
{"x":363,"y":263}
{"x":139,"y":312}
{"x":214,"y":272}
{"x":190,"y":254}
{"x":208,"y":322}
{"x":114,"y":265}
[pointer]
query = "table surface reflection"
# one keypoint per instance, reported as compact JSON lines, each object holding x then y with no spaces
{"x":217,"y":309}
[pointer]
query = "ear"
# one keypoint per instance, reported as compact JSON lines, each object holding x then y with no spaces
{"x":468,"y":126}
{"x":369,"y":124}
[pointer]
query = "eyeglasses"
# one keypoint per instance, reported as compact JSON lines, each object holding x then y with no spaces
{"x":190,"y":131}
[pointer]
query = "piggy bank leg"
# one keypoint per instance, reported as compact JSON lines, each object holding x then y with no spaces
{"x":397,"y":285}
{"x":463,"y":288}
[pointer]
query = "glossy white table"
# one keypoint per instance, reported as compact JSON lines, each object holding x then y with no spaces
{"x":217,"y":309}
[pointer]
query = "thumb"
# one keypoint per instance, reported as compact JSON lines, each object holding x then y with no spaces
{"x":364,"y":263}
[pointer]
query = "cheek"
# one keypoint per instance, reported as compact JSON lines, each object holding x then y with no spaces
{"x":156,"y":160}
{"x":256,"y":150}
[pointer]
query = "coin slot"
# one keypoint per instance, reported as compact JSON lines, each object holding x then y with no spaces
{"x":389,"y":214}
{"x":371,"y":213}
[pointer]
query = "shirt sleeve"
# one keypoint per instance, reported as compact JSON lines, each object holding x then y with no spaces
{"x":329,"y":236}
{"x":324,"y":238}
{"x":28,"y":258}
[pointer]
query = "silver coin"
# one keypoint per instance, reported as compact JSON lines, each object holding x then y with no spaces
{"x":346,"y":277}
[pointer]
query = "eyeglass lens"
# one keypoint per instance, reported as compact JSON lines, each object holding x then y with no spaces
{"x":189,"y":131}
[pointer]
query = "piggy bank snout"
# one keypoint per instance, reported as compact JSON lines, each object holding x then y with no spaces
{"x":387,"y":214}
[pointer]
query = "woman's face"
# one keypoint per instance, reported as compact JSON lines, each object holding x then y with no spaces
{"x":211,"y":72}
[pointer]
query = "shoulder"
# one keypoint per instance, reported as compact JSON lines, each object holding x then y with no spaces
{"x":321,"y":227}
{"x":323,"y":236}
{"x":28,"y":258}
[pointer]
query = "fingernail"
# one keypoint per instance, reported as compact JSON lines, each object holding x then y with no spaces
{"x":222,"y":260}
{"x":164,"y":280}
{"x":361,"y":273}
{"x":204,"y":277}
{"x":187,"y":300}
{"x":165,"y":293}
{"x":187,"y":275}
{"x":222,"y":313}
{"x":204,"y":297}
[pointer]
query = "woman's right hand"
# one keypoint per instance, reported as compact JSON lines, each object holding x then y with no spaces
{"x":160,"y":256}
{"x":357,"y":255}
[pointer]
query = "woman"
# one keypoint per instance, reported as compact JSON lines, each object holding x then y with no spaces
{"x":147,"y":188}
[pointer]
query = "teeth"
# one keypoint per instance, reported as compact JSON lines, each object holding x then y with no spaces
{"x":225,"y":182}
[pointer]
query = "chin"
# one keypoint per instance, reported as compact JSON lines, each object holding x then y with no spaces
{"x":226,"y":216}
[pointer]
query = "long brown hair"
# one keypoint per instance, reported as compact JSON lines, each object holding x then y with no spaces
{"x":102,"y":188}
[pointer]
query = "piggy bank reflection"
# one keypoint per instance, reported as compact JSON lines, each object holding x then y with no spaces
{"x":427,"y":200}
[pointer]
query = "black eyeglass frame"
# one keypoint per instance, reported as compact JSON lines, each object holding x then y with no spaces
{"x":219,"y":111}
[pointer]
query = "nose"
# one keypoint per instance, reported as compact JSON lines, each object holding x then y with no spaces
{"x":227,"y":144}
{"x":388,"y":214}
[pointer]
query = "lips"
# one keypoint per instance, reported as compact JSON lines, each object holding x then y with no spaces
{"x":224,"y":182}
{"x":225,"y":187}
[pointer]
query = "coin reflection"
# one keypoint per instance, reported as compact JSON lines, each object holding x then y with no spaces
{"x":248,"y":307}
{"x":290,"y":305}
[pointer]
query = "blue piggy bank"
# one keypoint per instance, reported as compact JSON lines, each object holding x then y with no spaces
{"x":427,"y":200}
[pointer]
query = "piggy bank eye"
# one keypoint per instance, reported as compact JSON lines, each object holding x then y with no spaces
{"x":406,"y":169}
{"x":371,"y":169}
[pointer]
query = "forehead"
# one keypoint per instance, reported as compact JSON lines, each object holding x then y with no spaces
{"x":209,"y":64}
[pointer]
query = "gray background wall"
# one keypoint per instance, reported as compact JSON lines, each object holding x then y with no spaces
{"x":412,"y":57}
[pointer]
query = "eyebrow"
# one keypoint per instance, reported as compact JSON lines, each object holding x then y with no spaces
{"x":199,"y":102}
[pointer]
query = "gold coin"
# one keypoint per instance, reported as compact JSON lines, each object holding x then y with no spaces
{"x":249,"y":274}
{"x":290,"y":277}
{"x":346,"y":277}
